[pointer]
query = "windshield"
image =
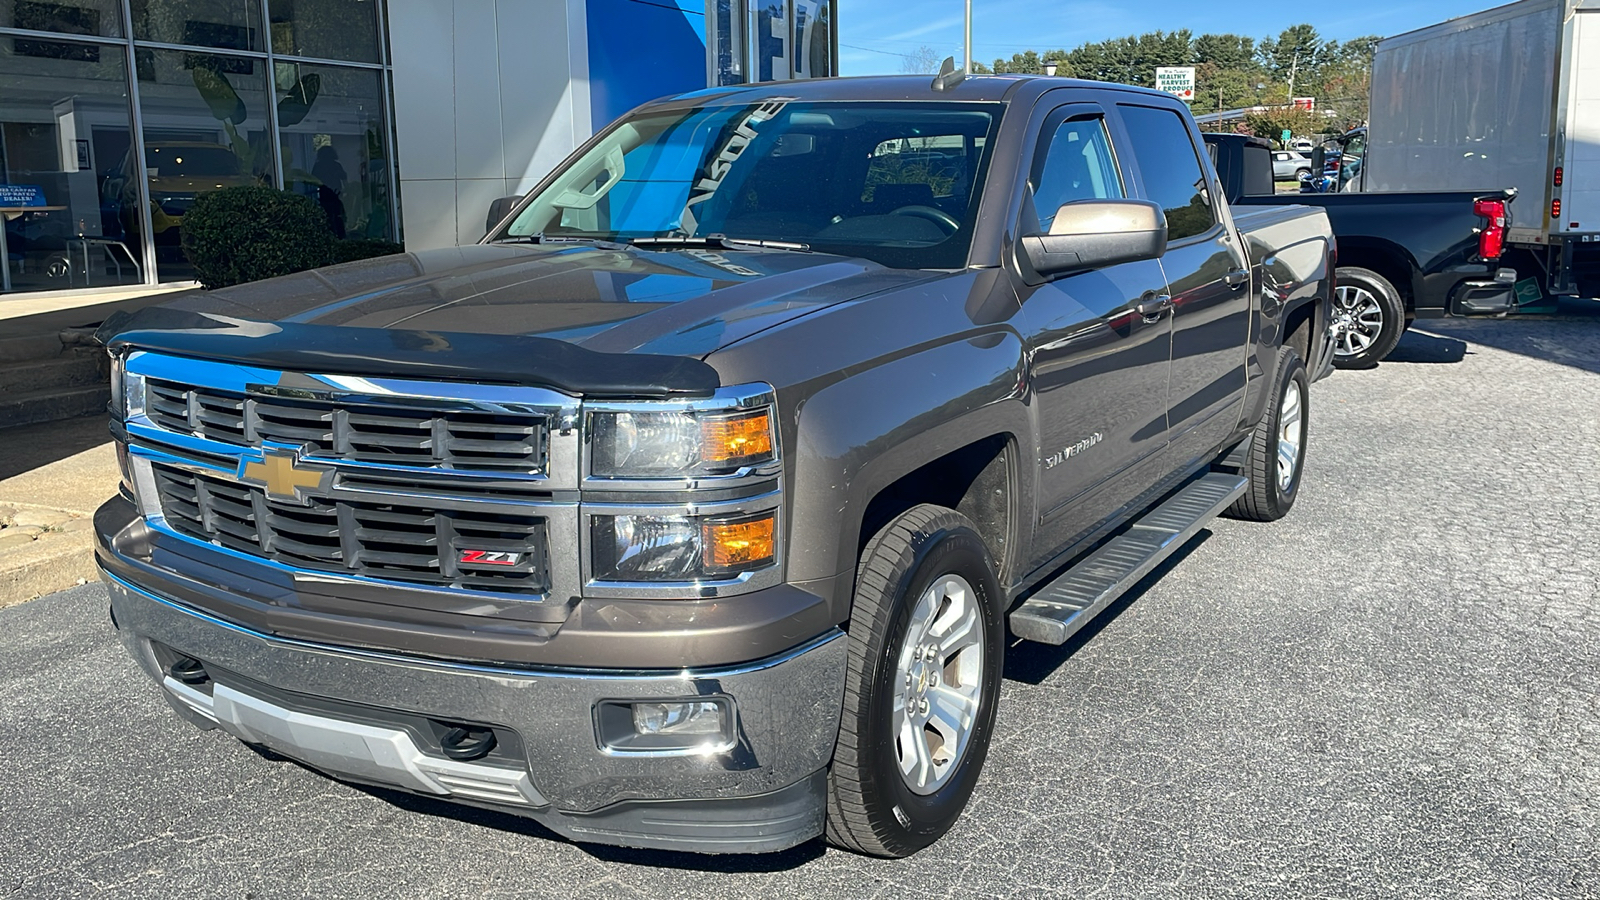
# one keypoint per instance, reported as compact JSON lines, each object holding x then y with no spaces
{"x":891,"y":182}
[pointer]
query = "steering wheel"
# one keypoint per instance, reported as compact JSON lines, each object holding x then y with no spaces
{"x":933,"y":214}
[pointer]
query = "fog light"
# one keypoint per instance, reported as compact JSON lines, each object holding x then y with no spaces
{"x":695,"y":717}
{"x":666,"y":727}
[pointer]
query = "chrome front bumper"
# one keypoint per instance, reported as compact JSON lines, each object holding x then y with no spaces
{"x":764,"y":793}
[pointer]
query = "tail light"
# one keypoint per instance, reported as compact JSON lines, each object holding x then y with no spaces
{"x":1557,"y":178}
{"x":1492,"y":237}
{"x":1555,"y":209}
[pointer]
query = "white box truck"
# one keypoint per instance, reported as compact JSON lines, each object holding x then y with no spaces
{"x":1505,"y":98}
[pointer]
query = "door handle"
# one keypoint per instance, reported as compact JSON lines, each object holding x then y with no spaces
{"x":1153,"y":306}
{"x":1236,"y":277}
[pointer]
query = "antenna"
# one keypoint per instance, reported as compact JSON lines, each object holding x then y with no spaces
{"x":948,"y":76}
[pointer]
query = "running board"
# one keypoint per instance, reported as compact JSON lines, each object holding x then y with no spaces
{"x":1059,"y":609}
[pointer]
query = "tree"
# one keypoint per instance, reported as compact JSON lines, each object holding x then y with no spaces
{"x":1231,"y":70}
{"x":1271,"y":123}
{"x":924,"y":61}
{"x":1294,"y":56}
{"x":1226,"y":51}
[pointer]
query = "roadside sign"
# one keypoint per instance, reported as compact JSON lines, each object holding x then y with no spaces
{"x":1287,"y":134}
{"x":1309,"y":104}
{"x":1177,"y":81}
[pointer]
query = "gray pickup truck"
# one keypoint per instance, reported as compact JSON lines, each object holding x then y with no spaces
{"x":691,"y":507}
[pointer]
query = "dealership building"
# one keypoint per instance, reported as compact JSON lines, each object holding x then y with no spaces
{"x":403,"y":119}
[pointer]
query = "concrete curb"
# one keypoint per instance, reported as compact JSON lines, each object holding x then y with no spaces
{"x":53,"y":562}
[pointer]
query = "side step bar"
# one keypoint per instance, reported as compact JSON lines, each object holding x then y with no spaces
{"x":1060,"y":608}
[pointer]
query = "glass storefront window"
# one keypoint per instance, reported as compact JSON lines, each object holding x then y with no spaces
{"x":222,"y":24}
{"x":102,"y":18}
{"x":326,"y":29}
{"x":205,"y":127}
{"x":64,"y":134}
{"x":335,"y":148}
{"x":813,"y":38}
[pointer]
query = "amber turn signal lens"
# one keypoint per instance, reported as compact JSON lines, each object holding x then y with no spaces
{"x":736,"y":439}
{"x":745,"y":544}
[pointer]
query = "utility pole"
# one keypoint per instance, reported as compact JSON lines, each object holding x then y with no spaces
{"x":970,"y":69}
{"x":1294,"y":65}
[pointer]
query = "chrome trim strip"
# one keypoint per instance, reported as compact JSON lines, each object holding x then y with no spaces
{"x":533,"y":671}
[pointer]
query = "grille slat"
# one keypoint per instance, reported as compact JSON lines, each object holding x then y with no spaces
{"x":454,"y":440}
{"x":381,"y":540}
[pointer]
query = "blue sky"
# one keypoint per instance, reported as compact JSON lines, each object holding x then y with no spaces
{"x":871,"y":31}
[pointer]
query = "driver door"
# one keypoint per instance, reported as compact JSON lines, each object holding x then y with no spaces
{"x":1099,"y":366}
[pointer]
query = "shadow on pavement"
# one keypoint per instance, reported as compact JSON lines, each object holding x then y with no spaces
{"x":1421,"y":347}
{"x":515,"y":824}
{"x":1571,"y":337}
{"x":30,"y":447}
{"x":1031,"y":663}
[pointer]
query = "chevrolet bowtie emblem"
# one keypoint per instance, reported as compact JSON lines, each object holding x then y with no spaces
{"x":279,"y":470}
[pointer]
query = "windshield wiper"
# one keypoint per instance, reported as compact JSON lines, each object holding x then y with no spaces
{"x":542,"y":238}
{"x":719,"y":242}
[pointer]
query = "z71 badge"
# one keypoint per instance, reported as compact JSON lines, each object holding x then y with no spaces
{"x":490,"y":557}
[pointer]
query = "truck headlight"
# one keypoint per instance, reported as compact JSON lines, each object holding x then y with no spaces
{"x":681,"y":548}
{"x":679,"y":444}
{"x":127,"y":389}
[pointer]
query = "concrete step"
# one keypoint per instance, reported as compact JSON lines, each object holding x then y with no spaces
{"x":52,"y":404}
{"x":28,"y":347}
{"x":69,"y":370}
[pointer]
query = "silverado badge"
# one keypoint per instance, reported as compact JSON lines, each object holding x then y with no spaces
{"x":279,"y":470}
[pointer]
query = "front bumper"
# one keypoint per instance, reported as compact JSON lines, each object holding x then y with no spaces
{"x":353,"y":714}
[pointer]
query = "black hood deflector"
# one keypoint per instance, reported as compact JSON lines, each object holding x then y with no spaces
{"x":400,"y":353}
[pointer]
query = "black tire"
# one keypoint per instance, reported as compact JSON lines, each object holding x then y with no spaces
{"x":871,"y":809}
{"x":1362,"y":291}
{"x":1301,"y":174}
{"x":1267,"y":498}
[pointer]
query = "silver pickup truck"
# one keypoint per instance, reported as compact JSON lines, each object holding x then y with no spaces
{"x":690,"y":508}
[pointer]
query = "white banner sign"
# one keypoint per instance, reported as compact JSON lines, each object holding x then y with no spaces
{"x":1177,"y":81}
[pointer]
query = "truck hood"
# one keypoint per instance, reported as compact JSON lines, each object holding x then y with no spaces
{"x":494,"y":312}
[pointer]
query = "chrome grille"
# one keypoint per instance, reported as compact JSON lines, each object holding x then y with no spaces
{"x":463,"y":440}
{"x":394,"y":540}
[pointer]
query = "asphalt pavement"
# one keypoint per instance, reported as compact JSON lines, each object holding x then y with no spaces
{"x":1395,"y":692}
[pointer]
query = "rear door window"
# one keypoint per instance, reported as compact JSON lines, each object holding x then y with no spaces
{"x":1170,"y":167}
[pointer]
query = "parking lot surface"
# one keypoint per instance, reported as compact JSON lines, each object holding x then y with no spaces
{"x":1395,"y":692}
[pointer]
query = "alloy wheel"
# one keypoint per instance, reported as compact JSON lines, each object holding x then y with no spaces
{"x":1357,"y":320}
{"x":1291,"y":433}
{"x":938,"y":684}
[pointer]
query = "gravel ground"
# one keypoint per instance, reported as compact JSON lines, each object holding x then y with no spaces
{"x":1395,"y":692}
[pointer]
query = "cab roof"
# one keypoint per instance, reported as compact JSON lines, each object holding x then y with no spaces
{"x":975,"y":88}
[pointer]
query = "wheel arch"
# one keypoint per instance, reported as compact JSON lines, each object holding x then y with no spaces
{"x":867,"y":451}
{"x":1386,"y":258}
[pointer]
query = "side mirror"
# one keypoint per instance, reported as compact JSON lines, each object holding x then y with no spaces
{"x":498,"y":210}
{"x":1091,"y":234}
{"x":1319,"y":158}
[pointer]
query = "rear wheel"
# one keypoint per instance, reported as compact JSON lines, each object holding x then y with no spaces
{"x":1276,"y":451}
{"x":1368,"y":318}
{"x":926,"y":646}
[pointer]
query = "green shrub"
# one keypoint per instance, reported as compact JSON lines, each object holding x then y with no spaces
{"x":352,"y":249}
{"x":239,"y":234}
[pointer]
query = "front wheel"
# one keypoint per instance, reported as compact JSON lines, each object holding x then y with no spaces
{"x":1368,"y":318}
{"x":926,"y":646}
